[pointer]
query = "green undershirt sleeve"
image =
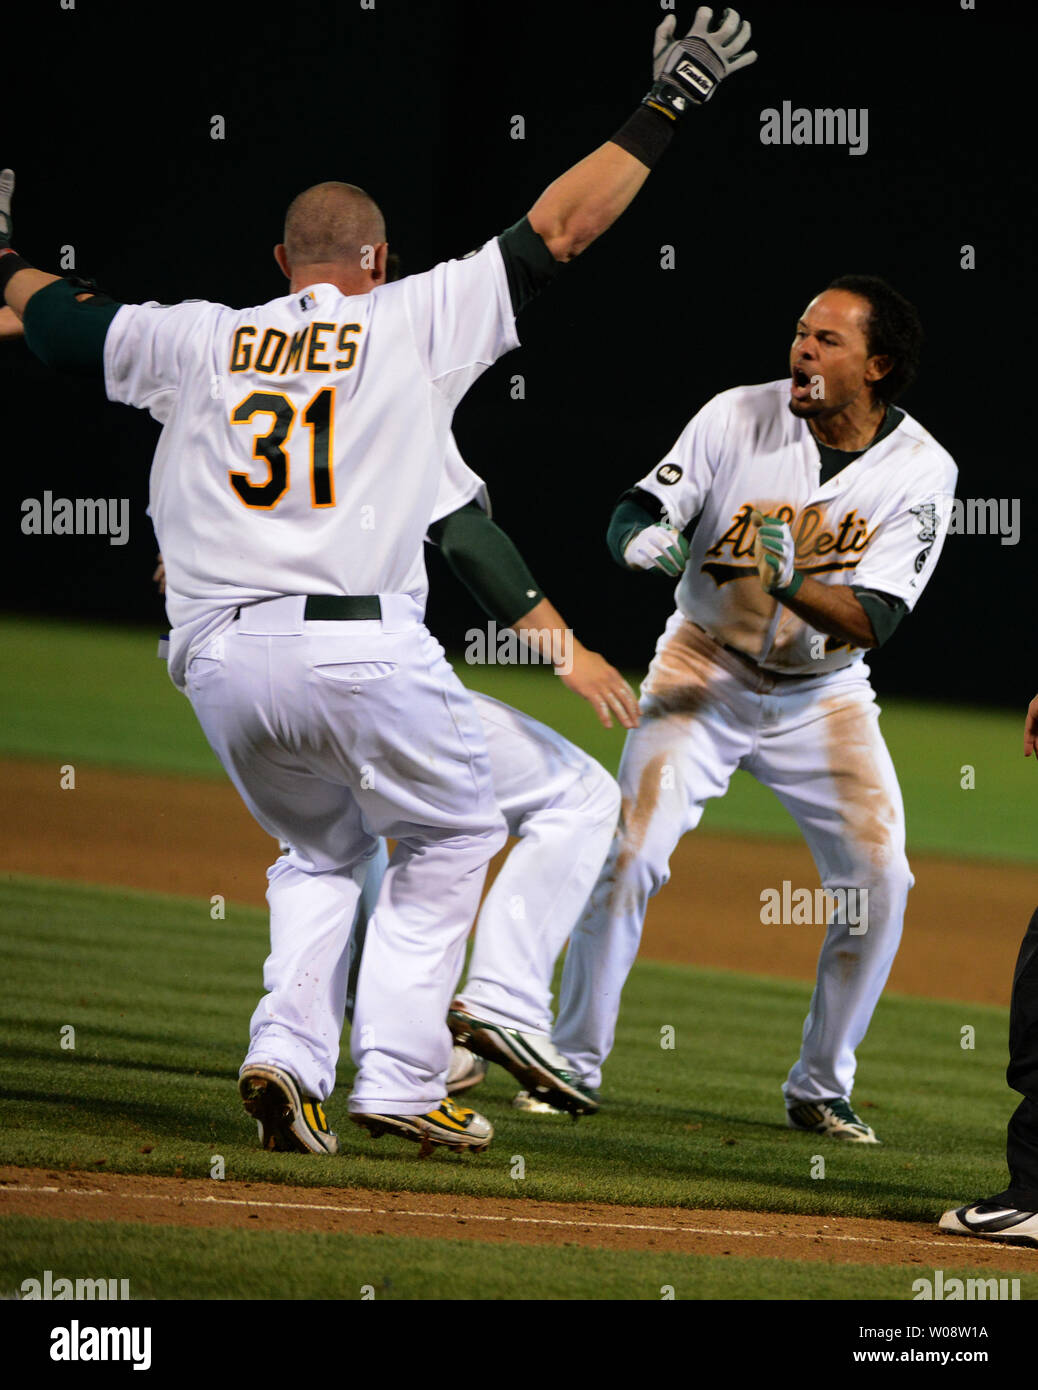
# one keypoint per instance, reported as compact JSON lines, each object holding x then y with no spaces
{"x":488,"y":563}
{"x":629,"y":516}
{"x":529,"y":264}
{"x":883,"y":611}
{"x":67,"y":333}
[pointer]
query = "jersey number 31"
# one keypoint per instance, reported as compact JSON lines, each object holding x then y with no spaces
{"x":269,"y":448}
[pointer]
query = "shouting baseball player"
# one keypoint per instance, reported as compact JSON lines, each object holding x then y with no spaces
{"x":804,"y":518}
{"x":300,"y":458}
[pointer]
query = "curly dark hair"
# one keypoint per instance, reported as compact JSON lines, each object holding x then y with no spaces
{"x":892,"y":330}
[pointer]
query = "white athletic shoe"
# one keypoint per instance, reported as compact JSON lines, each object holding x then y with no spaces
{"x":465,"y":1070}
{"x":833,"y":1118}
{"x":993,"y":1221}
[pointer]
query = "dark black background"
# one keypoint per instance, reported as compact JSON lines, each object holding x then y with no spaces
{"x":108,"y":127}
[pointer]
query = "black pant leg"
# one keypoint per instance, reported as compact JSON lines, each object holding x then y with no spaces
{"x":1022,"y":1075}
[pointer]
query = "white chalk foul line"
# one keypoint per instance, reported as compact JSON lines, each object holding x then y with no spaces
{"x":949,"y":1241}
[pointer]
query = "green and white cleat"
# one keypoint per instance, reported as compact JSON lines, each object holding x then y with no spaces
{"x":833,"y":1118}
{"x":531,"y":1058}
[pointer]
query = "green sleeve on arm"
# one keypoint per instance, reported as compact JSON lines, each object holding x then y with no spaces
{"x":67,"y":333}
{"x":487,"y":562}
{"x":883,"y":611}
{"x":629,"y":516}
{"x":529,"y":264}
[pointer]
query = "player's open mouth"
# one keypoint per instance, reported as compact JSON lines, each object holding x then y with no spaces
{"x":801,"y":387}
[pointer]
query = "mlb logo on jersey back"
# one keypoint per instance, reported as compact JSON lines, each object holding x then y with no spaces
{"x":307,"y":301}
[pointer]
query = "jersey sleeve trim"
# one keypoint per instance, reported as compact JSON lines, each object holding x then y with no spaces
{"x":884,"y":611}
{"x":488,"y":563}
{"x":529,"y":265}
{"x":66,"y":333}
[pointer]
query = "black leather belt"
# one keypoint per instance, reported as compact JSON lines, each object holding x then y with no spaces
{"x":343,"y":608}
{"x":340,"y":608}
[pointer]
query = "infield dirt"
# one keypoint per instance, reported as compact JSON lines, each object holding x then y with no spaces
{"x":82,"y":1196}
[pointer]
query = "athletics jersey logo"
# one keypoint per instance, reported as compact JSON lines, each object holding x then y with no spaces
{"x":668,"y":474}
{"x":813,"y":544}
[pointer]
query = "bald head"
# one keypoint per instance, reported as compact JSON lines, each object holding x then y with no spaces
{"x":329,"y":224}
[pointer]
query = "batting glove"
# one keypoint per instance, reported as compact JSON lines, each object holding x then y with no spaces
{"x":660,"y":547}
{"x":6,"y":190}
{"x":776,"y":541}
{"x":688,"y":71}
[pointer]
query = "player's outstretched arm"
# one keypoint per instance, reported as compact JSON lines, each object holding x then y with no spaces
{"x":65,"y":320}
{"x":488,"y":563}
{"x":578,"y":207}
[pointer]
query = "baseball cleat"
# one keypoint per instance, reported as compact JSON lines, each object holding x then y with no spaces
{"x":529,"y":1106}
{"x":450,"y":1126}
{"x":465,"y":1070}
{"x":531,"y":1059}
{"x":993,"y":1221}
{"x":288,"y":1121}
{"x":833,"y":1118}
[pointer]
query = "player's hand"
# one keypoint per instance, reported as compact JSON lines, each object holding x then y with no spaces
{"x":6,"y":193}
{"x":602,"y":685}
{"x":774,"y":551}
{"x":160,"y":574}
{"x":660,"y":547}
{"x":687,"y":71}
{"x":1031,"y":729}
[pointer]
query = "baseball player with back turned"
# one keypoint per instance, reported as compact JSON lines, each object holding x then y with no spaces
{"x":817,"y":511}
{"x":559,"y":804}
{"x":300,"y":459}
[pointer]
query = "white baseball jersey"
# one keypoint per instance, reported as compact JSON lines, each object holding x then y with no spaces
{"x":880,"y":523}
{"x":303,"y":440}
{"x":458,"y":485}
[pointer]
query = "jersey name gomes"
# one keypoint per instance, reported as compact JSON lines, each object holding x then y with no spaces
{"x":303,"y":440}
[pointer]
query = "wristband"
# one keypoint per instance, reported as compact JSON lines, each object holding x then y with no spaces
{"x":791,"y":588}
{"x":10,"y":264}
{"x":646,"y":134}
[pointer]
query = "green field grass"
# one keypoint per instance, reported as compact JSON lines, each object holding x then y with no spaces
{"x":98,"y":694}
{"x":159,"y":997}
{"x":170,"y":1262}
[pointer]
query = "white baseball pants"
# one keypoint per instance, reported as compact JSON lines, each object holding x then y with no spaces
{"x":562,"y":806}
{"x":816,"y":743}
{"x":335,"y":734}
